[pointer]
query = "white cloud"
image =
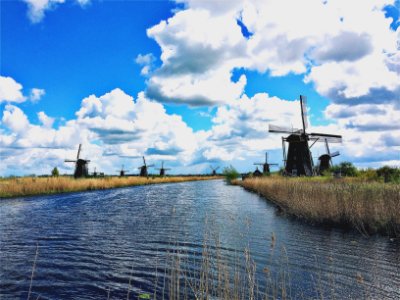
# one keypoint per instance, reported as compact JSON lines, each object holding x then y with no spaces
{"x":45,"y":119}
{"x":10,"y":90}
{"x":36,"y":94}
{"x":37,"y":8}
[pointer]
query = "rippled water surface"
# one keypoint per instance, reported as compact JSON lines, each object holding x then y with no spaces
{"x":94,"y":243}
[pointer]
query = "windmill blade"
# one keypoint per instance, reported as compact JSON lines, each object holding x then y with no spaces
{"x":166,"y":169}
{"x":144,"y":161}
{"x":327,"y":147}
{"x":150,"y":166}
{"x":70,"y":160}
{"x":303,"y":104}
{"x":216,"y":168}
{"x":284,"y":151}
{"x":266,"y":157}
{"x":331,"y":138}
{"x":280,"y":129}
{"x":79,"y":151}
{"x":336,"y":153}
{"x":162,"y":164}
{"x":273,"y":164}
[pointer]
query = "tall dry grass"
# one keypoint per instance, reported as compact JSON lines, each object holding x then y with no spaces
{"x":367,"y":206}
{"x":28,"y":186}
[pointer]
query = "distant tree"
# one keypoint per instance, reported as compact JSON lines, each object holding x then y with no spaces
{"x":389,"y":174}
{"x":230,"y":173}
{"x":346,"y":169}
{"x":55,"y":172}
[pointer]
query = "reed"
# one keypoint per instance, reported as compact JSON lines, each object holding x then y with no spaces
{"x":367,"y":206}
{"x":29,"y":186}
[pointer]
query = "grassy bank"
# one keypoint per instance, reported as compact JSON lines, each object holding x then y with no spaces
{"x":29,"y":186}
{"x":366,"y":206}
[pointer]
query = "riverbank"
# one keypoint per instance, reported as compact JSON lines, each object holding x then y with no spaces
{"x":369,"y":207}
{"x":31,"y":186}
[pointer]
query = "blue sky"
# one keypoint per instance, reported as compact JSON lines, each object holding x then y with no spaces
{"x":214,"y":75}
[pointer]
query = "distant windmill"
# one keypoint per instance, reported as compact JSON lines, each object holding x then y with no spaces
{"x":143,"y":169}
{"x":257,"y":173}
{"x":298,"y":160}
{"x":214,"y":170}
{"x":94,"y":172}
{"x":122,"y":171}
{"x":162,"y":169}
{"x":266,"y":165}
{"x":81,"y":165}
{"x":325,"y":160}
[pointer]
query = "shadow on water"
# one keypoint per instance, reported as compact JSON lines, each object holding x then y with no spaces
{"x":130,"y":239}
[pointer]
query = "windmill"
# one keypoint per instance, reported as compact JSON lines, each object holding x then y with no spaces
{"x":266,"y":165}
{"x":298,"y":160}
{"x":214,"y":170}
{"x":143,"y":169}
{"x":122,"y":171}
{"x":162,"y":169}
{"x":325,"y":160}
{"x":81,"y":165}
{"x":94,"y":172}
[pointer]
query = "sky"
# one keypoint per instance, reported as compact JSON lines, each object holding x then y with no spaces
{"x":194,"y":83}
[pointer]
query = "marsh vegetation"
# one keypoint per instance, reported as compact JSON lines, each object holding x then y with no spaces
{"x":28,"y":186}
{"x":367,"y":205}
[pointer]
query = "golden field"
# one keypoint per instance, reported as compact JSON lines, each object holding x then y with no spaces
{"x":364,"y":205}
{"x":28,"y":186}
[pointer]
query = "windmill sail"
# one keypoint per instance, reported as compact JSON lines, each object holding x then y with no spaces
{"x":280,"y":129}
{"x":331,"y":138}
{"x":303,"y":103}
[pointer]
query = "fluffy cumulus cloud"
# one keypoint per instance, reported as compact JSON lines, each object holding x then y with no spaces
{"x":10,"y":90}
{"x":347,"y":50}
{"x":114,"y":128}
{"x":37,"y":8}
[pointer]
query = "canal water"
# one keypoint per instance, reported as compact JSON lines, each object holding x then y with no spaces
{"x":130,"y":242}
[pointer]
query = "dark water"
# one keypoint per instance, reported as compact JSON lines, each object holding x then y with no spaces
{"x":97,"y":242}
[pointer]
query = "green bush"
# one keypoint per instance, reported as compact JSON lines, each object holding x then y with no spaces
{"x":55,"y":172}
{"x":230,"y":173}
{"x":346,"y":169}
{"x":389,"y":174}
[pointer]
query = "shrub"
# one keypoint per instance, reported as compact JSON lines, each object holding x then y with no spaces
{"x":230,"y":173}
{"x":346,"y":169}
{"x":389,"y":174}
{"x":55,"y":172}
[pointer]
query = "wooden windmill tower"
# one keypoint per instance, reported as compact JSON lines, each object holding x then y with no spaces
{"x":143,"y":169}
{"x":298,"y":160}
{"x":266,"y":165}
{"x":214,"y":170}
{"x":81,"y":165}
{"x":325,"y":160}
{"x":122,"y":172}
{"x":162,"y":169}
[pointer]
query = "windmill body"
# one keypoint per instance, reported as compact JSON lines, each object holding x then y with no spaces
{"x":81,"y":165}
{"x":298,"y":160}
{"x":162,"y":169}
{"x":266,"y":165}
{"x":122,"y":172}
{"x":214,"y":170}
{"x":144,"y":169}
{"x":257,"y":173}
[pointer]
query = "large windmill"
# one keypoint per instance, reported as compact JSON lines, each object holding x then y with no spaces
{"x":214,"y":170}
{"x":266,"y":165}
{"x":162,"y":169}
{"x":298,"y":160}
{"x":143,"y":169}
{"x":122,"y":172}
{"x":81,"y":165}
